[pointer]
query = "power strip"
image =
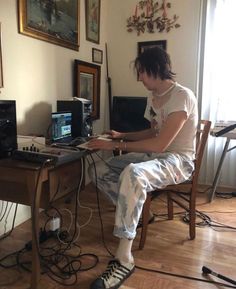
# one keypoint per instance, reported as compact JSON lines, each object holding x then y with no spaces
{"x":43,"y":236}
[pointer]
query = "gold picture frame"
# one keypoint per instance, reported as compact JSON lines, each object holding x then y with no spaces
{"x":87,"y":84}
{"x":52,"y":21}
{"x":92,"y":19}
{"x":1,"y":71}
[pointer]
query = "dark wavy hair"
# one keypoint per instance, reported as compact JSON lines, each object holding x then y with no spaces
{"x":156,"y":62}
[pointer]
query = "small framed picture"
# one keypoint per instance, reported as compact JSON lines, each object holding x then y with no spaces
{"x":149,"y":44}
{"x":97,"y":55}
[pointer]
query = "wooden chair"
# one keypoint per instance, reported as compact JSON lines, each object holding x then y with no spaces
{"x":183,"y":194}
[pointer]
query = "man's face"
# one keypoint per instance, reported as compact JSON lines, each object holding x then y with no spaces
{"x":148,"y":81}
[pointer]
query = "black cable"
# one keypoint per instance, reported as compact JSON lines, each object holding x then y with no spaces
{"x":4,"y":212}
{"x":58,"y":265}
{"x":76,"y":204}
{"x":68,"y":271}
{"x":13,"y":224}
{"x":224,"y":195}
{"x":207,"y":221}
{"x":56,"y":192}
{"x":183,"y":276}
{"x":99,"y":210}
{"x":7,"y":257}
{"x":54,"y":271}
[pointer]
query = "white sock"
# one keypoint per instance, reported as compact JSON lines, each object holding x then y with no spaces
{"x":123,"y":252}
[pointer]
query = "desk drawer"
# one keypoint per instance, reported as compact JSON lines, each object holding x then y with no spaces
{"x":63,"y":180}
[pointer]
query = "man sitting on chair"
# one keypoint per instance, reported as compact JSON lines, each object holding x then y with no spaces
{"x":160,"y":156}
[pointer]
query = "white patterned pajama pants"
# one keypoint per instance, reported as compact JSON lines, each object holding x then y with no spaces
{"x":126,"y":180}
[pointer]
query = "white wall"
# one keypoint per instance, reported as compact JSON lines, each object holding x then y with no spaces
{"x":182,"y":45}
{"x":37,"y":73}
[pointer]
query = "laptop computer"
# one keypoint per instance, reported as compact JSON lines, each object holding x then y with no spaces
{"x":62,"y":130}
{"x":61,"y":127}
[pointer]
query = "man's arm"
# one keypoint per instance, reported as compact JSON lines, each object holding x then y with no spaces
{"x":159,"y":143}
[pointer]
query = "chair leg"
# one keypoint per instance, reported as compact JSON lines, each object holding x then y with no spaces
{"x":170,"y":206}
{"x":145,"y":219}
{"x":192,"y":219}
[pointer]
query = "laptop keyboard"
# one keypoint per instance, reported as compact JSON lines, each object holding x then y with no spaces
{"x":78,"y":141}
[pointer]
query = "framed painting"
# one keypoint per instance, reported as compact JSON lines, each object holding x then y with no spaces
{"x":1,"y":71}
{"x":92,"y":18}
{"x":149,"y":44}
{"x":54,"y":21}
{"x":87,"y":84}
{"x":97,"y":55}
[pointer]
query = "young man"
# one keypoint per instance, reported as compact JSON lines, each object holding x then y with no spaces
{"x":159,"y":156}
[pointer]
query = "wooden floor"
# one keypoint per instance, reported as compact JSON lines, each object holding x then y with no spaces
{"x":167,"y":247}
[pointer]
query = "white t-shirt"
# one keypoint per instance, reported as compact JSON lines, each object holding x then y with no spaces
{"x":181,"y":99}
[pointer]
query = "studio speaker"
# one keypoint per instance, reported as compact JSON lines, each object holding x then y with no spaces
{"x":8,"y":131}
{"x":82,"y":124}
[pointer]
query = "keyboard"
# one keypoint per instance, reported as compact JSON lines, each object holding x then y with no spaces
{"x":226,"y":129}
{"x":52,"y":155}
{"x":85,"y":144}
{"x":79,"y":141}
{"x":34,"y":157}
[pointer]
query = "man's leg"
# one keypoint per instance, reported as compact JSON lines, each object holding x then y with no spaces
{"x":135,"y":182}
{"x":105,"y":174}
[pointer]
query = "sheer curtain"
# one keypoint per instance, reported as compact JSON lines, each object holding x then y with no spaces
{"x":218,"y":100}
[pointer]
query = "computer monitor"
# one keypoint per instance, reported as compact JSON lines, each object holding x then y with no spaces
{"x":128,"y":113}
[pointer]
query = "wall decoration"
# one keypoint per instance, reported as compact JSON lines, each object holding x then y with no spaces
{"x":54,"y":21}
{"x":149,"y":44}
{"x":87,"y":84}
{"x":150,"y":16}
{"x":1,"y":71}
{"x":97,"y":55}
{"x":92,"y":18}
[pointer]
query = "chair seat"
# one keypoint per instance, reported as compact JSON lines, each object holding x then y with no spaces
{"x":183,"y":187}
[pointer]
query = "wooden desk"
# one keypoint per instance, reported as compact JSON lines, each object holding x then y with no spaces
{"x":25,"y":183}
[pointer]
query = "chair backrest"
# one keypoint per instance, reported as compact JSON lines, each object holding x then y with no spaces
{"x":201,"y":139}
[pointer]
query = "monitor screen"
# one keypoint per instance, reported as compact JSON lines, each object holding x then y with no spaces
{"x":61,"y":125}
{"x":128,"y":113}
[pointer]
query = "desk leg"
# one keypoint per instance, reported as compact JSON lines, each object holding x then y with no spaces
{"x":32,"y":182}
{"x":217,"y":175}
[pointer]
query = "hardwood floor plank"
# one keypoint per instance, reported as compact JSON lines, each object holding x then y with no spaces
{"x":167,"y":247}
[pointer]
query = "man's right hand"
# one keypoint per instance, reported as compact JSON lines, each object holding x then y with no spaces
{"x":115,"y":134}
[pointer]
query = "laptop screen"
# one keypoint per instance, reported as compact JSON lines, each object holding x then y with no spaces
{"x":61,"y":125}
